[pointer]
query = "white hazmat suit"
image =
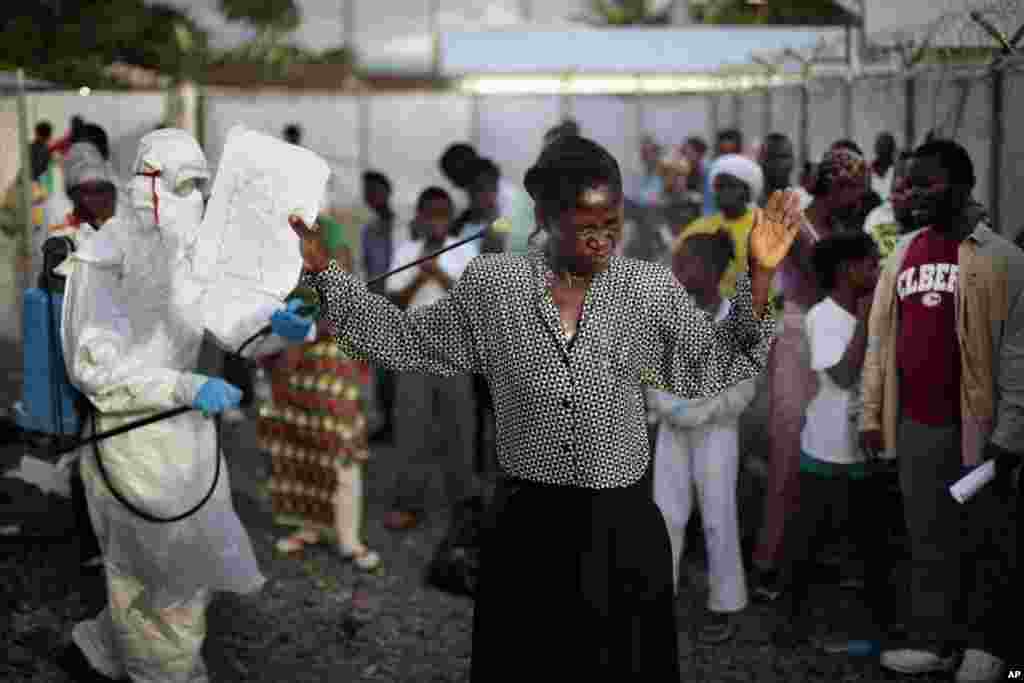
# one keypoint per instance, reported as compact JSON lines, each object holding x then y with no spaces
{"x":131,"y":332}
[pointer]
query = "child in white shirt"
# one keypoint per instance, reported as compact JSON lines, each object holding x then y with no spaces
{"x":698,"y":447}
{"x":835,"y":481}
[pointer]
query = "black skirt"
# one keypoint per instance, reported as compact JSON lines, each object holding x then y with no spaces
{"x":573,"y":582}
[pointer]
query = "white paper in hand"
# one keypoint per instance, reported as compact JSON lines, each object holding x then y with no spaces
{"x":964,"y":489}
{"x":248,"y":257}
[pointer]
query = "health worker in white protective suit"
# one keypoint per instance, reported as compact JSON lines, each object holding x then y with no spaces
{"x":131,"y":333}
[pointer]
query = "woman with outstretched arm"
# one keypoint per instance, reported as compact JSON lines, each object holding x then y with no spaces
{"x":576,"y":573}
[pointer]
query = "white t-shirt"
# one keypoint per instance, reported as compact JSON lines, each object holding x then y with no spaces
{"x":829,"y":434}
{"x":882,"y":185}
{"x":452,"y":262}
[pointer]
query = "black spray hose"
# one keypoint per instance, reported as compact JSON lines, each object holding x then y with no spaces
{"x":267,"y":330}
{"x":94,"y":439}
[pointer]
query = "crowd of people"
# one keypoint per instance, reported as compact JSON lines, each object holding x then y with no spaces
{"x":597,"y":358}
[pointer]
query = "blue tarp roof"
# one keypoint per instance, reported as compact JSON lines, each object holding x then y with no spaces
{"x":698,"y":49}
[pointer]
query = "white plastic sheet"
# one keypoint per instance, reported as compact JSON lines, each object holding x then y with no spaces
{"x":247,"y":256}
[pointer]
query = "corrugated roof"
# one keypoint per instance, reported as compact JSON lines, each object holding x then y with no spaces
{"x":696,"y":49}
{"x":9,"y":83}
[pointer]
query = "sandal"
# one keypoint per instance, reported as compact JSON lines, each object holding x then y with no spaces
{"x":399,"y":520}
{"x":297,"y":541}
{"x":364,"y":559}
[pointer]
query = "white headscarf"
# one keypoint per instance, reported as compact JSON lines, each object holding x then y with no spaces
{"x":739,"y":166}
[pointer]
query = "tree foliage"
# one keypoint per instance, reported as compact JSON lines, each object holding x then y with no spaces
{"x":73,"y":42}
{"x":790,"y":13}
{"x":278,"y":16}
{"x":627,"y":13}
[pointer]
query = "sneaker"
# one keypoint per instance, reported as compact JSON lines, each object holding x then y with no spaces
{"x":847,"y":646}
{"x":767,"y":587}
{"x":980,"y":667}
{"x":910,"y":661}
{"x":718,"y":629}
{"x":364,"y":559}
{"x":399,"y":520}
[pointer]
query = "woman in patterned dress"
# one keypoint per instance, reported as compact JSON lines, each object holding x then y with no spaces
{"x":575,"y":576}
{"x":315,"y":430}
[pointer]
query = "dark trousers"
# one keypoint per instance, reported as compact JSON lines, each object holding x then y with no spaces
{"x":88,"y":545}
{"x":830,"y":505}
{"x":486,"y":458}
{"x":930,"y":461}
{"x":386,"y":396}
{"x":992,"y":587}
{"x":961,"y":555}
{"x":575,"y":584}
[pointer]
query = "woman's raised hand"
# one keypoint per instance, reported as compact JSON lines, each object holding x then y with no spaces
{"x":314,"y":251}
{"x":775,"y":228}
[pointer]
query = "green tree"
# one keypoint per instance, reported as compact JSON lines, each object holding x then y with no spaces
{"x":272,"y":19}
{"x":626,"y":13}
{"x":73,"y":42}
{"x":791,"y":13}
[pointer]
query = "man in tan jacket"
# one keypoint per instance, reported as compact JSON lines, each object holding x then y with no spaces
{"x":943,"y":390}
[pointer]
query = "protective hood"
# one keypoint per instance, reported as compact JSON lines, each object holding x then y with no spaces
{"x":169,"y":173}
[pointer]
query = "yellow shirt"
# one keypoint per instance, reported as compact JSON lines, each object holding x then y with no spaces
{"x":739,"y":229}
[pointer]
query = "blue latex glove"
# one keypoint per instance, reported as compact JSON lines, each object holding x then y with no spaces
{"x":289,"y":324}
{"x":216,"y":396}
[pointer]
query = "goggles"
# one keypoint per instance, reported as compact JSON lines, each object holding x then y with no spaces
{"x":182,"y":182}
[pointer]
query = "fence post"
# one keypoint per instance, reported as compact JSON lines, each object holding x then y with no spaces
{"x":474,"y":122}
{"x":805,"y":123}
{"x":24,"y":187}
{"x":639,"y":116}
{"x":713,"y":113}
{"x":996,"y":149}
{"x":364,"y":131}
{"x":848,"y":107}
{"x":910,"y":111}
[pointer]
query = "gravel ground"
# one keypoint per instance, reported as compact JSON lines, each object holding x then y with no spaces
{"x":320,"y":619}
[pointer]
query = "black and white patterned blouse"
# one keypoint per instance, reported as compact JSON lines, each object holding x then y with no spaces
{"x":568,"y":411}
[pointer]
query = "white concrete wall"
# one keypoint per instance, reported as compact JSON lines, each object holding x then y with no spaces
{"x":511,"y":129}
{"x":126,"y":117}
{"x":1011,"y":197}
{"x":826,"y":124}
{"x":938,"y":102}
{"x":880,"y":106}
{"x":786,"y":119}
